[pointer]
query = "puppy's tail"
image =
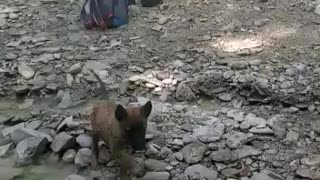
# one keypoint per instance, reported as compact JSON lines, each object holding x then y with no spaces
{"x":103,"y":89}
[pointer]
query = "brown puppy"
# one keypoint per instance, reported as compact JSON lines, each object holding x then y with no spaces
{"x":119,"y":127}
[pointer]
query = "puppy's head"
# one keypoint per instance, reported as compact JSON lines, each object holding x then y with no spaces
{"x":133,"y":122}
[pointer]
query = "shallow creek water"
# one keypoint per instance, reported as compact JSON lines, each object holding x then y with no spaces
{"x":9,"y":107}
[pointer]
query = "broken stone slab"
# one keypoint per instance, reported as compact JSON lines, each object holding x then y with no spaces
{"x":5,"y":150}
{"x":210,"y":133}
{"x":62,"y":141}
{"x":23,"y":133}
{"x":6,"y":131}
{"x":194,"y":152}
{"x":83,"y":157}
{"x":199,"y":171}
{"x":29,"y":149}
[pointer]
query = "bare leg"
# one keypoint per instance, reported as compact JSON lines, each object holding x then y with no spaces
{"x":94,"y":152}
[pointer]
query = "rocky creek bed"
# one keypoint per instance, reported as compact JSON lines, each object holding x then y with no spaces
{"x":234,"y":84}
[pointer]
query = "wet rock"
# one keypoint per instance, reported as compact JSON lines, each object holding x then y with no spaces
{"x":184,"y":93}
{"x":247,"y":151}
{"x":155,"y":165}
{"x":9,"y":173}
{"x":21,"y":116}
{"x":75,"y":69}
{"x":255,"y":121}
{"x":261,"y":176}
{"x":21,"y":90}
{"x":199,"y":171}
{"x":75,"y":177}
{"x":62,"y":141}
{"x":223,"y":156}
{"x":6,"y":131}
{"x":308,"y":173}
{"x":69,"y":156}
{"x":84,"y":140}
{"x":29,"y":149}
{"x":26,"y":71}
{"x":311,"y":161}
{"x":194,"y":152}
{"x":23,"y":133}
{"x":83,"y":157}
{"x":155,"y":176}
{"x":236,"y":139}
{"x":210,"y":133}
{"x":5,"y":150}
{"x":230,"y":172}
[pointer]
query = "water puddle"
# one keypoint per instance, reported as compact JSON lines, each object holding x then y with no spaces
{"x":207,"y":104}
{"x":47,"y":171}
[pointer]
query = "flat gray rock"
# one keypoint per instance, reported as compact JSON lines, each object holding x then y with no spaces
{"x":62,"y":141}
{"x":83,"y":157}
{"x":199,"y":171}
{"x":29,"y":149}
{"x":194,"y":152}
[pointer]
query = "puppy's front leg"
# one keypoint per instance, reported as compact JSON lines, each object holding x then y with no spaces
{"x":94,"y":152}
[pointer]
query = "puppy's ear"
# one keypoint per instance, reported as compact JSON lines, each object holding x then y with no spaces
{"x":146,"y":110}
{"x":120,"y":113}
